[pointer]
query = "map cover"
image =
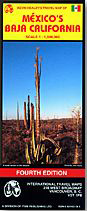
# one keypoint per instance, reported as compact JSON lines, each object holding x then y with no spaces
{"x":42,"y":112}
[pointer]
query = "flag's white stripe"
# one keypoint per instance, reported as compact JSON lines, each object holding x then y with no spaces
{"x":75,"y":8}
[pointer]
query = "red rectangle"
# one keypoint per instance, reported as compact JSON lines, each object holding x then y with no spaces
{"x":79,"y":8}
{"x":42,"y":172}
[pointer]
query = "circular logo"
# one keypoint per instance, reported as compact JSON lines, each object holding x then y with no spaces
{"x":8,"y":8}
{"x":12,"y":188}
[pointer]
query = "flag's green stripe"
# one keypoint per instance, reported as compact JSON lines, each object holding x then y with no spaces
{"x":72,"y":8}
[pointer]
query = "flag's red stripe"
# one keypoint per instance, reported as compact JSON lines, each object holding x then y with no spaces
{"x":79,"y":8}
{"x":21,"y":172}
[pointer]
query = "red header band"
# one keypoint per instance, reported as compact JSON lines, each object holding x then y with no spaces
{"x":42,"y":172}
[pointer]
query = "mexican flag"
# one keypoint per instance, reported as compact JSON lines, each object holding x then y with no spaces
{"x":75,"y":8}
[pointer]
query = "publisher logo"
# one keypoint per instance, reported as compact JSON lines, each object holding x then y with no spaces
{"x":9,"y":8}
{"x":12,"y":188}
